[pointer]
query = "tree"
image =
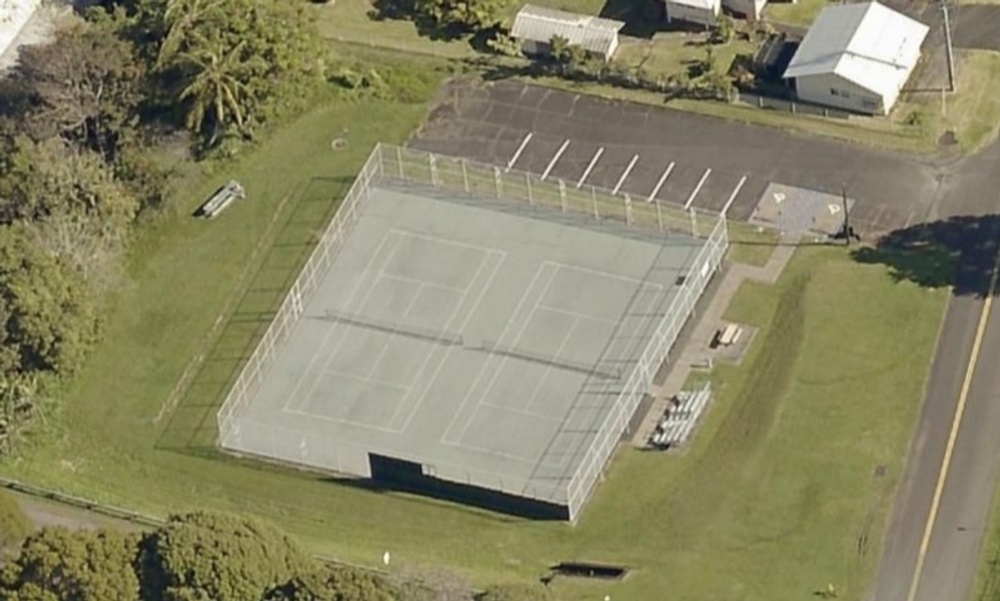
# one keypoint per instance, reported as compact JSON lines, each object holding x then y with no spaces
{"x":85,"y":86}
{"x":56,"y":564}
{"x":470,"y":16}
{"x":42,"y":179}
{"x":14,"y":525}
{"x":216,"y":557}
{"x":516,"y":592}
{"x":338,"y":584}
{"x":47,"y":314}
{"x":235,"y":65}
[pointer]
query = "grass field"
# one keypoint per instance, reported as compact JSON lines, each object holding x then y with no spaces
{"x":800,"y":13}
{"x":769,"y":502}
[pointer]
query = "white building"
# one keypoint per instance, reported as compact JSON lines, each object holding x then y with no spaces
{"x":14,"y":15}
{"x":856,"y":57}
{"x":535,"y":26}
{"x":696,"y":12}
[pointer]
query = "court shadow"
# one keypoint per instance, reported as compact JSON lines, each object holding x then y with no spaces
{"x":960,"y":252}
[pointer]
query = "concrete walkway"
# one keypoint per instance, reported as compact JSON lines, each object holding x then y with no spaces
{"x":693,"y":350}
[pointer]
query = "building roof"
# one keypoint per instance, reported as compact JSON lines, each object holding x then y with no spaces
{"x":14,"y":14}
{"x":868,"y":44}
{"x":539,"y":24}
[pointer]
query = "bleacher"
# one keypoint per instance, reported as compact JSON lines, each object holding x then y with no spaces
{"x":677,"y":422}
{"x":222,"y":198}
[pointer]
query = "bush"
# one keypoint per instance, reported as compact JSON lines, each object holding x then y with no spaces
{"x":14,"y":524}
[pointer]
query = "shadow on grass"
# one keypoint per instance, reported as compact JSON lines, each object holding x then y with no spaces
{"x":959,"y":252}
{"x":190,"y":426}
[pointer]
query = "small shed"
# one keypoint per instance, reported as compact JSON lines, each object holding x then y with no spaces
{"x":535,"y":26}
{"x":694,"y":12}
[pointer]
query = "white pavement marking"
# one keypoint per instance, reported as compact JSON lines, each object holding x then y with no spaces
{"x":659,"y":184}
{"x":520,"y":149}
{"x":733,"y":196}
{"x":621,"y":180}
{"x":555,"y":159}
{"x":697,"y":188}
{"x":590,"y":166}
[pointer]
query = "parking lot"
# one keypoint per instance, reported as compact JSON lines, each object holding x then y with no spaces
{"x":671,"y":156}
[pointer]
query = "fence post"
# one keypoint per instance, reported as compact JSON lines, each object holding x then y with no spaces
{"x":760,"y":102}
{"x":381,"y":161}
{"x":628,"y":210}
{"x":527,"y":184}
{"x":593,"y":198}
{"x":433,"y":165}
{"x":659,"y":215}
{"x":562,"y":195}
{"x":399,"y":161}
{"x":496,"y":178}
{"x":465,"y":176}
{"x":694,"y":223}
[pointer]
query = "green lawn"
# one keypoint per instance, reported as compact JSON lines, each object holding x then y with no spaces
{"x":767,"y":504}
{"x":801,"y":12}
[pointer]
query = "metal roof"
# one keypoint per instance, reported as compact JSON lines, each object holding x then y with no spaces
{"x":14,"y":15}
{"x":868,"y":44}
{"x":539,"y":24}
{"x":708,"y":5}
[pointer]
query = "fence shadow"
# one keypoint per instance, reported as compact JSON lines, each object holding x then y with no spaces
{"x":190,"y":424}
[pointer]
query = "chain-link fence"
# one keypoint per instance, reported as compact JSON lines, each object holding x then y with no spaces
{"x":459,"y":176}
{"x":488,"y":181}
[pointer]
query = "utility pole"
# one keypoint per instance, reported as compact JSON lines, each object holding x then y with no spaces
{"x":848,"y":233}
{"x":947,"y":46}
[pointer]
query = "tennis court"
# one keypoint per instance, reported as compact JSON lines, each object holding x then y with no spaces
{"x":484,"y":341}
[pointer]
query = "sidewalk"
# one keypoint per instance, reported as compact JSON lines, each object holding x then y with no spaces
{"x":693,"y":349}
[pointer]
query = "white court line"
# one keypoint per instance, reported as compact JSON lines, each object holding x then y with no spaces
{"x":440,"y":240}
{"x":503,"y":361}
{"x":590,"y":166}
{"x":472,"y":447}
{"x":326,"y":338}
{"x":555,"y":159}
{"x":659,"y":184}
{"x":337,"y":420}
{"x":606,"y":274}
{"x":367,"y":379}
{"x":401,"y":278}
{"x":621,"y":180}
{"x":447,"y":325}
{"x":390,"y":338}
{"x":548,"y":369}
{"x":521,"y":412}
{"x":697,"y":188}
{"x":732,"y":196}
{"x":520,"y":149}
{"x":578,"y":315}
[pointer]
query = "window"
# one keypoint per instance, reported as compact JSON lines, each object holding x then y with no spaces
{"x":833,"y":92}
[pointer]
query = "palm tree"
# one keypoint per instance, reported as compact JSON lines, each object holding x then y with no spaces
{"x":179,"y":19}
{"x":214,"y":94}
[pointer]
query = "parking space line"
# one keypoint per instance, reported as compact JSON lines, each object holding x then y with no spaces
{"x":555,"y":159}
{"x":732,"y":196}
{"x":659,"y":184}
{"x":697,"y":188}
{"x":621,"y":180}
{"x":590,"y":166}
{"x":520,"y":149}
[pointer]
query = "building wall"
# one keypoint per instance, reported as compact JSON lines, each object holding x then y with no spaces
{"x":532,"y":48}
{"x":14,"y":15}
{"x":751,"y":9}
{"x":690,"y":14}
{"x":833,"y":90}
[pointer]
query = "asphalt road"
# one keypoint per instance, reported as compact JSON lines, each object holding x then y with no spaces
{"x":952,"y":551}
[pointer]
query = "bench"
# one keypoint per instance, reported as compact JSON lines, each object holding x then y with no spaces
{"x":729,"y":335}
{"x":222,"y":198}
